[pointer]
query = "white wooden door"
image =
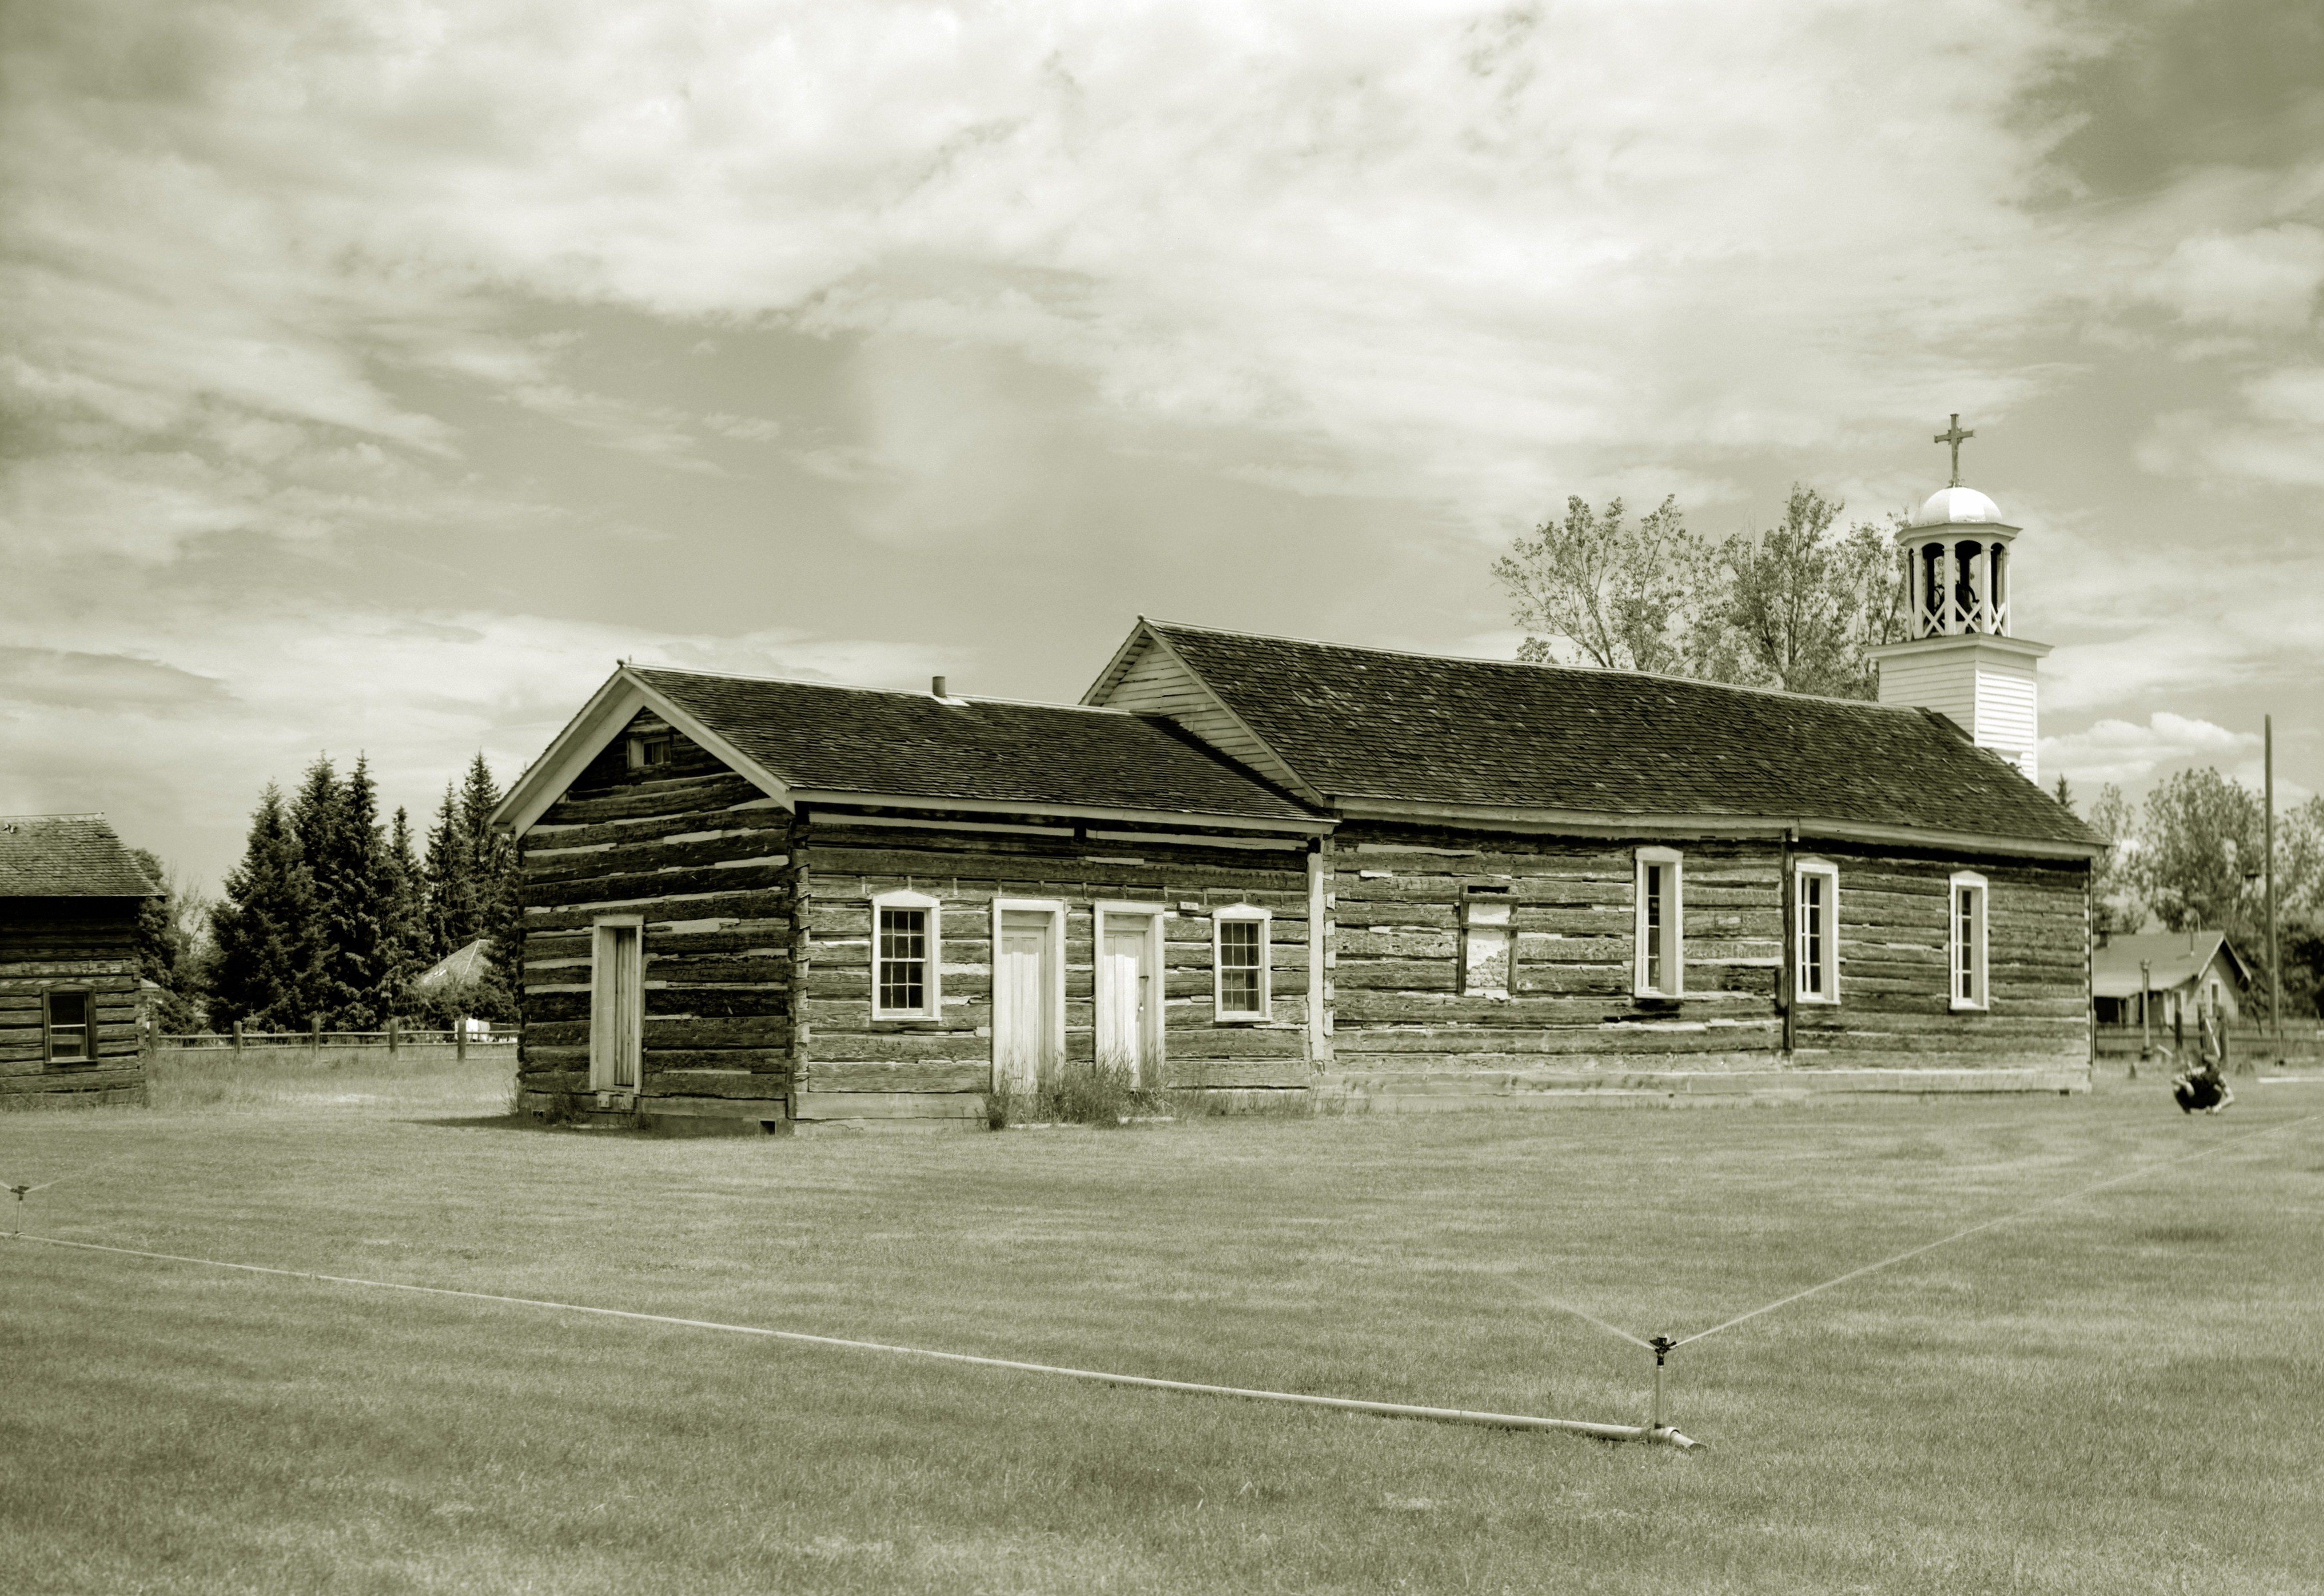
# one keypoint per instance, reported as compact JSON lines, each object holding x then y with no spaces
{"x":1021,"y":1039}
{"x":1125,"y":997}
{"x":616,"y":1009}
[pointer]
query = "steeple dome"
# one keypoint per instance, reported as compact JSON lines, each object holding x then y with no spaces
{"x":1962,"y":660}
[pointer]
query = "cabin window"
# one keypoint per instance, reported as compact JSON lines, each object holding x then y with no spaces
{"x":1661,"y":932}
{"x":68,"y":1028}
{"x":1485,"y":942}
{"x":650,"y":750}
{"x":1966,"y":952}
{"x":1815,"y":910}
{"x":1238,"y":959}
{"x":906,"y":933}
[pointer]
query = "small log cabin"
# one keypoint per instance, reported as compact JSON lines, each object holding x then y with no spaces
{"x":752,"y":903}
{"x":70,"y":1012}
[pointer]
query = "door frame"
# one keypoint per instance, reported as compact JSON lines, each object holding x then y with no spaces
{"x":1158,"y":993}
{"x":600,"y":992}
{"x":1053,"y":997}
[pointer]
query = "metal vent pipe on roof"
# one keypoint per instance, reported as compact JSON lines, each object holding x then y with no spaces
{"x":936,"y":687}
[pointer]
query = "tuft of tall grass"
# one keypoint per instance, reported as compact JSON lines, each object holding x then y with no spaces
{"x":1072,"y":1092}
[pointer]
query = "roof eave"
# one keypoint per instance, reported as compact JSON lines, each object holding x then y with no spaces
{"x":588,"y":734}
{"x":1293,"y":825}
{"x":1598,"y":822}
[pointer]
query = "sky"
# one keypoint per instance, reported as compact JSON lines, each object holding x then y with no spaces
{"x":374,"y":376}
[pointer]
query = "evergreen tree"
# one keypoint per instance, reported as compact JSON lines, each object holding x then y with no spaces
{"x":408,"y":951}
{"x":259,"y":928}
{"x":493,"y":872}
{"x":449,"y":882}
{"x":352,"y":898}
{"x":167,"y":951}
{"x":316,"y":812}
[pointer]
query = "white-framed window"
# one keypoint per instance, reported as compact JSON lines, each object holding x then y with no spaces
{"x":907,"y":956}
{"x":1815,"y":917}
{"x":1965,"y":940}
{"x":650,"y":750}
{"x":1239,"y":956}
{"x":1486,"y":943}
{"x":1661,"y":929}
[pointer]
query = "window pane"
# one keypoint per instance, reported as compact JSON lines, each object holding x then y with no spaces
{"x":1655,"y":928}
{"x":1811,"y":935}
{"x":1239,"y":957}
{"x":903,"y":958}
{"x":68,"y":1025}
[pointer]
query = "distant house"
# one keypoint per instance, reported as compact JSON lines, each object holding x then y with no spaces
{"x":2180,"y":966}
{"x":460,"y":968}
{"x":70,"y":1010}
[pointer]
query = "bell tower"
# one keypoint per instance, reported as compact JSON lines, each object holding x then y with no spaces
{"x":1962,"y":660}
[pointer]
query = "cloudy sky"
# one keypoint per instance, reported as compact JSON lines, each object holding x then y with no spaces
{"x":373,"y":376}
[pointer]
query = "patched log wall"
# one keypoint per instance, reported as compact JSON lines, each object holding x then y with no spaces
{"x":706,"y":859}
{"x":1404,"y":1033}
{"x":853,"y":1066}
{"x":1401,"y":1025}
{"x":1895,"y":1003}
{"x":74,"y":944}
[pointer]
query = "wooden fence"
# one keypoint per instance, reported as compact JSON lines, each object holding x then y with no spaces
{"x":2300,"y":1043}
{"x":395,"y":1039}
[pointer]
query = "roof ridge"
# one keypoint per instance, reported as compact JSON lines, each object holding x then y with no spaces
{"x":80,"y":815}
{"x":795,"y":681}
{"x":1653,"y":675}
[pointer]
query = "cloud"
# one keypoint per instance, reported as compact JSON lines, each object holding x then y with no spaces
{"x":113,"y":681}
{"x":2266,"y":278}
{"x":2129,"y":754}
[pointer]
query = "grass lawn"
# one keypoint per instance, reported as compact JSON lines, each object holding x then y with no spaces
{"x":2121,"y":1394}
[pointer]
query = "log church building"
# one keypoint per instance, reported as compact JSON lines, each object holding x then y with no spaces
{"x":1254,"y":866}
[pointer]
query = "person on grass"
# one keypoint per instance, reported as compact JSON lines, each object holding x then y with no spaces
{"x":2205,"y":1085}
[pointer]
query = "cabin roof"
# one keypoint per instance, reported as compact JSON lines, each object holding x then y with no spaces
{"x":2172,"y":958}
{"x":817,"y":737}
{"x":67,"y":856}
{"x":1378,"y":723}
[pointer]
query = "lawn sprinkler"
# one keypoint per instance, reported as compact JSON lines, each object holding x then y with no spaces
{"x":1663,"y":1346}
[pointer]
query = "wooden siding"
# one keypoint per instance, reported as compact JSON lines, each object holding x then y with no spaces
{"x":705,"y":859}
{"x":1401,"y":1027}
{"x":846,"y":1058}
{"x":1895,"y":1007}
{"x":1155,"y":683}
{"x":1400,"y":1023}
{"x":78,"y":944}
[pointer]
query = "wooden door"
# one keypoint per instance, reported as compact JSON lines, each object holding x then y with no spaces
{"x":1022,"y":1042}
{"x":617,"y":1009}
{"x":1125,"y":1003}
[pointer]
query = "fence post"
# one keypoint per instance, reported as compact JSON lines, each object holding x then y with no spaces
{"x":392,"y":1038}
{"x":460,"y":1039}
{"x":317,"y":1034}
{"x":237,"y":1037}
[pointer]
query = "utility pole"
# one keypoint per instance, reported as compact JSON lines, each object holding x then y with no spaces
{"x":2274,"y":975}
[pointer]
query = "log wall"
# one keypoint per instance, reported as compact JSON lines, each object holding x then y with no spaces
{"x":1404,"y":1034}
{"x":1895,"y":1001}
{"x":706,"y":859}
{"x":853,"y":1067}
{"x":81,"y":944}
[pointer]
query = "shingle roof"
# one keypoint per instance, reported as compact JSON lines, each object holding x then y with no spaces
{"x":67,"y":856}
{"x":1373,"y":723}
{"x":912,"y":745}
{"x":2172,"y":958}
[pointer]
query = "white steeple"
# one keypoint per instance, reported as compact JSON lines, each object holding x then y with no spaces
{"x":1962,"y":660}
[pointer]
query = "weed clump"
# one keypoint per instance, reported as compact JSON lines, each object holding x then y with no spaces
{"x":1072,"y":1092}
